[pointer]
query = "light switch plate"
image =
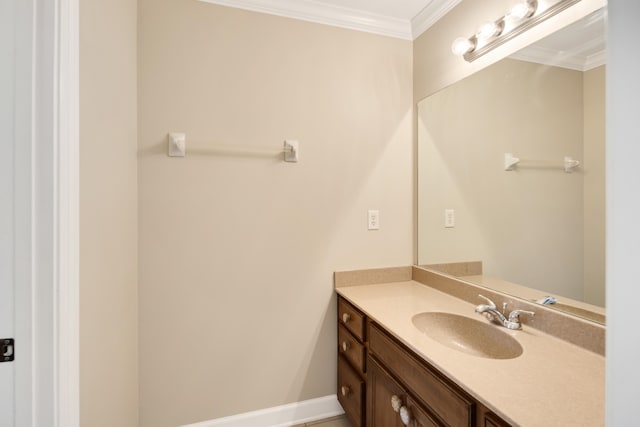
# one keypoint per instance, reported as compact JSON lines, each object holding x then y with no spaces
{"x":449,"y":218}
{"x":373,"y":220}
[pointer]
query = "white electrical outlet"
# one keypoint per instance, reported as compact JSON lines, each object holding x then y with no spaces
{"x":373,"y":220}
{"x":449,"y":218}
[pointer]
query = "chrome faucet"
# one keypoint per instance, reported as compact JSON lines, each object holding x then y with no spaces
{"x":491,"y":312}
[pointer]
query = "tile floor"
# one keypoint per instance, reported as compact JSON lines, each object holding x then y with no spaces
{"x":340,"y":421}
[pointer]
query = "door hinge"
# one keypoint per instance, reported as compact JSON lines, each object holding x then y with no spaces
{"x":8,"y":353}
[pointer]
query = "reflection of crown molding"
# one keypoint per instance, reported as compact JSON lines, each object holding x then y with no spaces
{"x":596,"y":60}
{"x":321,"y":13}
{"x":576,"y":60}
{"x":580,"y":46}
{"x":428,"y":16}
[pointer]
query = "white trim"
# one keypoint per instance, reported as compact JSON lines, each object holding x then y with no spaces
{"x":55,"y":221}
{"x":42,"y":215}
{"x":67,"y":235}
{"x":623,"y":209}
{"x":321,"y":13}
{"x":23,"y":255}
{"x":281,"y":416}
{"x":430,"y":15}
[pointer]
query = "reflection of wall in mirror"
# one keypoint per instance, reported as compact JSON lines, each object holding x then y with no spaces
{"x":593,"y":161}
{"x":528,"y":225}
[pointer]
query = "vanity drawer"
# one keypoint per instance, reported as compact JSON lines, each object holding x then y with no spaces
{"x":351,"y":318}
{"x":440,"y":397}
{"x":351,"y":349}
{"x":350,"y":392}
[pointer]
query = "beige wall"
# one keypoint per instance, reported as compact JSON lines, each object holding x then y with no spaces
{"x":594,"y":186}
{"x":108,"y":214}
{"x":525,"y":225}
{"x":237,"y":251}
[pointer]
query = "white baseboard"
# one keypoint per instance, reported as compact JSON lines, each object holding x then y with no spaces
{"x":281,"y":416}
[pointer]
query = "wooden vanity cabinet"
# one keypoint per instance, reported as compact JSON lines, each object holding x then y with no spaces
{"x":380,"y":379}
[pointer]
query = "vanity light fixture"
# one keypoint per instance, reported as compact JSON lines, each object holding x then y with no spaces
{"x":523,"y":15}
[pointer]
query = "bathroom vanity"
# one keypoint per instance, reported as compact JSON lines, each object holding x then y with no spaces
{"x":395,"y":370}
{"x":421,"y":395}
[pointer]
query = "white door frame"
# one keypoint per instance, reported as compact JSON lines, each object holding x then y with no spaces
{"x":67,"y":227}
{"x":47,"y":390}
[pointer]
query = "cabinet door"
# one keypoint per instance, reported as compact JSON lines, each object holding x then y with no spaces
{"x":420,"y":417}
{"x":381,"y":391}
{"x":491,"y":420}
{"x":486,"y":418}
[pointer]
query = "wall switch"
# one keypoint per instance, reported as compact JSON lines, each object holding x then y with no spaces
{"x":373,"y":221}
{"x":449,"y":218}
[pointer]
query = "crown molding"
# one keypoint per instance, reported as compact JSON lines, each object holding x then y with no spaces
{"x":312,"y":11}
{"x":431,"y":14}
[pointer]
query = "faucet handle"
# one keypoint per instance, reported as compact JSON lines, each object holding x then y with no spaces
{"x":489,"y":302}
{"x":515,"y":314}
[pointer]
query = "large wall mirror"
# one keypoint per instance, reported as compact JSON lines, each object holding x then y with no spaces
{"x":536,"y":230}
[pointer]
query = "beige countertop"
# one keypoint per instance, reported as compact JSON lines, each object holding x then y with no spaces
{"x":553,"y":382}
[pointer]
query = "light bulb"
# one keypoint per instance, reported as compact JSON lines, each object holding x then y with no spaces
{"x":488,"y":30}
{"x":462,"y":45}
{"x":521,"y":10}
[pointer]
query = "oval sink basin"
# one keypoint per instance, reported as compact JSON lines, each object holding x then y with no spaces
{"x":468,"y":335}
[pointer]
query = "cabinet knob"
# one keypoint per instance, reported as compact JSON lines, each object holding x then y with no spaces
{"x":396,"y":403}
{"x":345,"y":346}
{"x":345,"y":390}
{"x":346,"y":317}
{"x":405,"y":415}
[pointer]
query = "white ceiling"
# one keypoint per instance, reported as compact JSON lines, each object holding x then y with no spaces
{"x":405,"y":19}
